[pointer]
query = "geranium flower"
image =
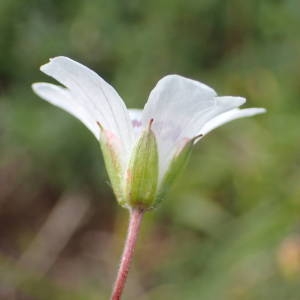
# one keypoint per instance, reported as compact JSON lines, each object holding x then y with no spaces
{"x":143,"y":149}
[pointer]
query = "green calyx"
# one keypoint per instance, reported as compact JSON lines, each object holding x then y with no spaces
{"x":177,"y":164}
{"x":135,"y":183}
{"x":112,"y":164}
{"x":143,"y":172}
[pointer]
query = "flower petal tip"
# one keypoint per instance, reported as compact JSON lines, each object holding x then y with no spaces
{"x":230,"y":102}
{"x":261,"y":110}
{"x":52,"y":60}
{"x":36,"y":86}
{"x":44,"y":67}
{"x":252,"y":111}
{"x":240,"y":101}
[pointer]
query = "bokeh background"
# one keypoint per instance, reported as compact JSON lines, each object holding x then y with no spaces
{"x":230,"y":227}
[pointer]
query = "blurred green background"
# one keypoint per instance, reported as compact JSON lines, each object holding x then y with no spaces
{"x":230,"y":227}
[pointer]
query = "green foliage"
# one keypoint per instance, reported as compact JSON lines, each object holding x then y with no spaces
{"x":229,"y":229}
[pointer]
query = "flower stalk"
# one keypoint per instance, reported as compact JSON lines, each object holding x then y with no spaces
{"x":136,"y":215}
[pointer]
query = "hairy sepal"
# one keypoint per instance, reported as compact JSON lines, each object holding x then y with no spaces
{"x":142,"y":175}
{"x":110,"y":146}
{"x":178,"y":162}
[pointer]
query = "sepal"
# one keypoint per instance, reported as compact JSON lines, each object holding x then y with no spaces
{"x":178,"y":162}
{"x":142,"y":174}
{"x":110,"y":146}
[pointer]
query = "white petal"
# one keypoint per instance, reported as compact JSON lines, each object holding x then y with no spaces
{"x":135,"y":115}
{"x":136,"y":120}
{"x":62,"y":98}
{"x":222,"y":105}
{"x":230,"y":116}
{"x":93,"y":95}
{"x":179,"y":108}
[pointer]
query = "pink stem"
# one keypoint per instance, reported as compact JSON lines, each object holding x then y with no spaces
{"x":136,"y":216}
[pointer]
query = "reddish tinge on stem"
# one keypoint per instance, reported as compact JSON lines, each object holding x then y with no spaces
{"x":136,"y":215}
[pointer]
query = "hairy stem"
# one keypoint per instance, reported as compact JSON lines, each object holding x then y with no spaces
{"x":136,"y":216}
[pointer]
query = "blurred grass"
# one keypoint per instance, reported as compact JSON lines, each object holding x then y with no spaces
{"x":230,"y":227}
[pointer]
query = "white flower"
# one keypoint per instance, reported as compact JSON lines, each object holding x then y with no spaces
{"x":143,"y":149}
